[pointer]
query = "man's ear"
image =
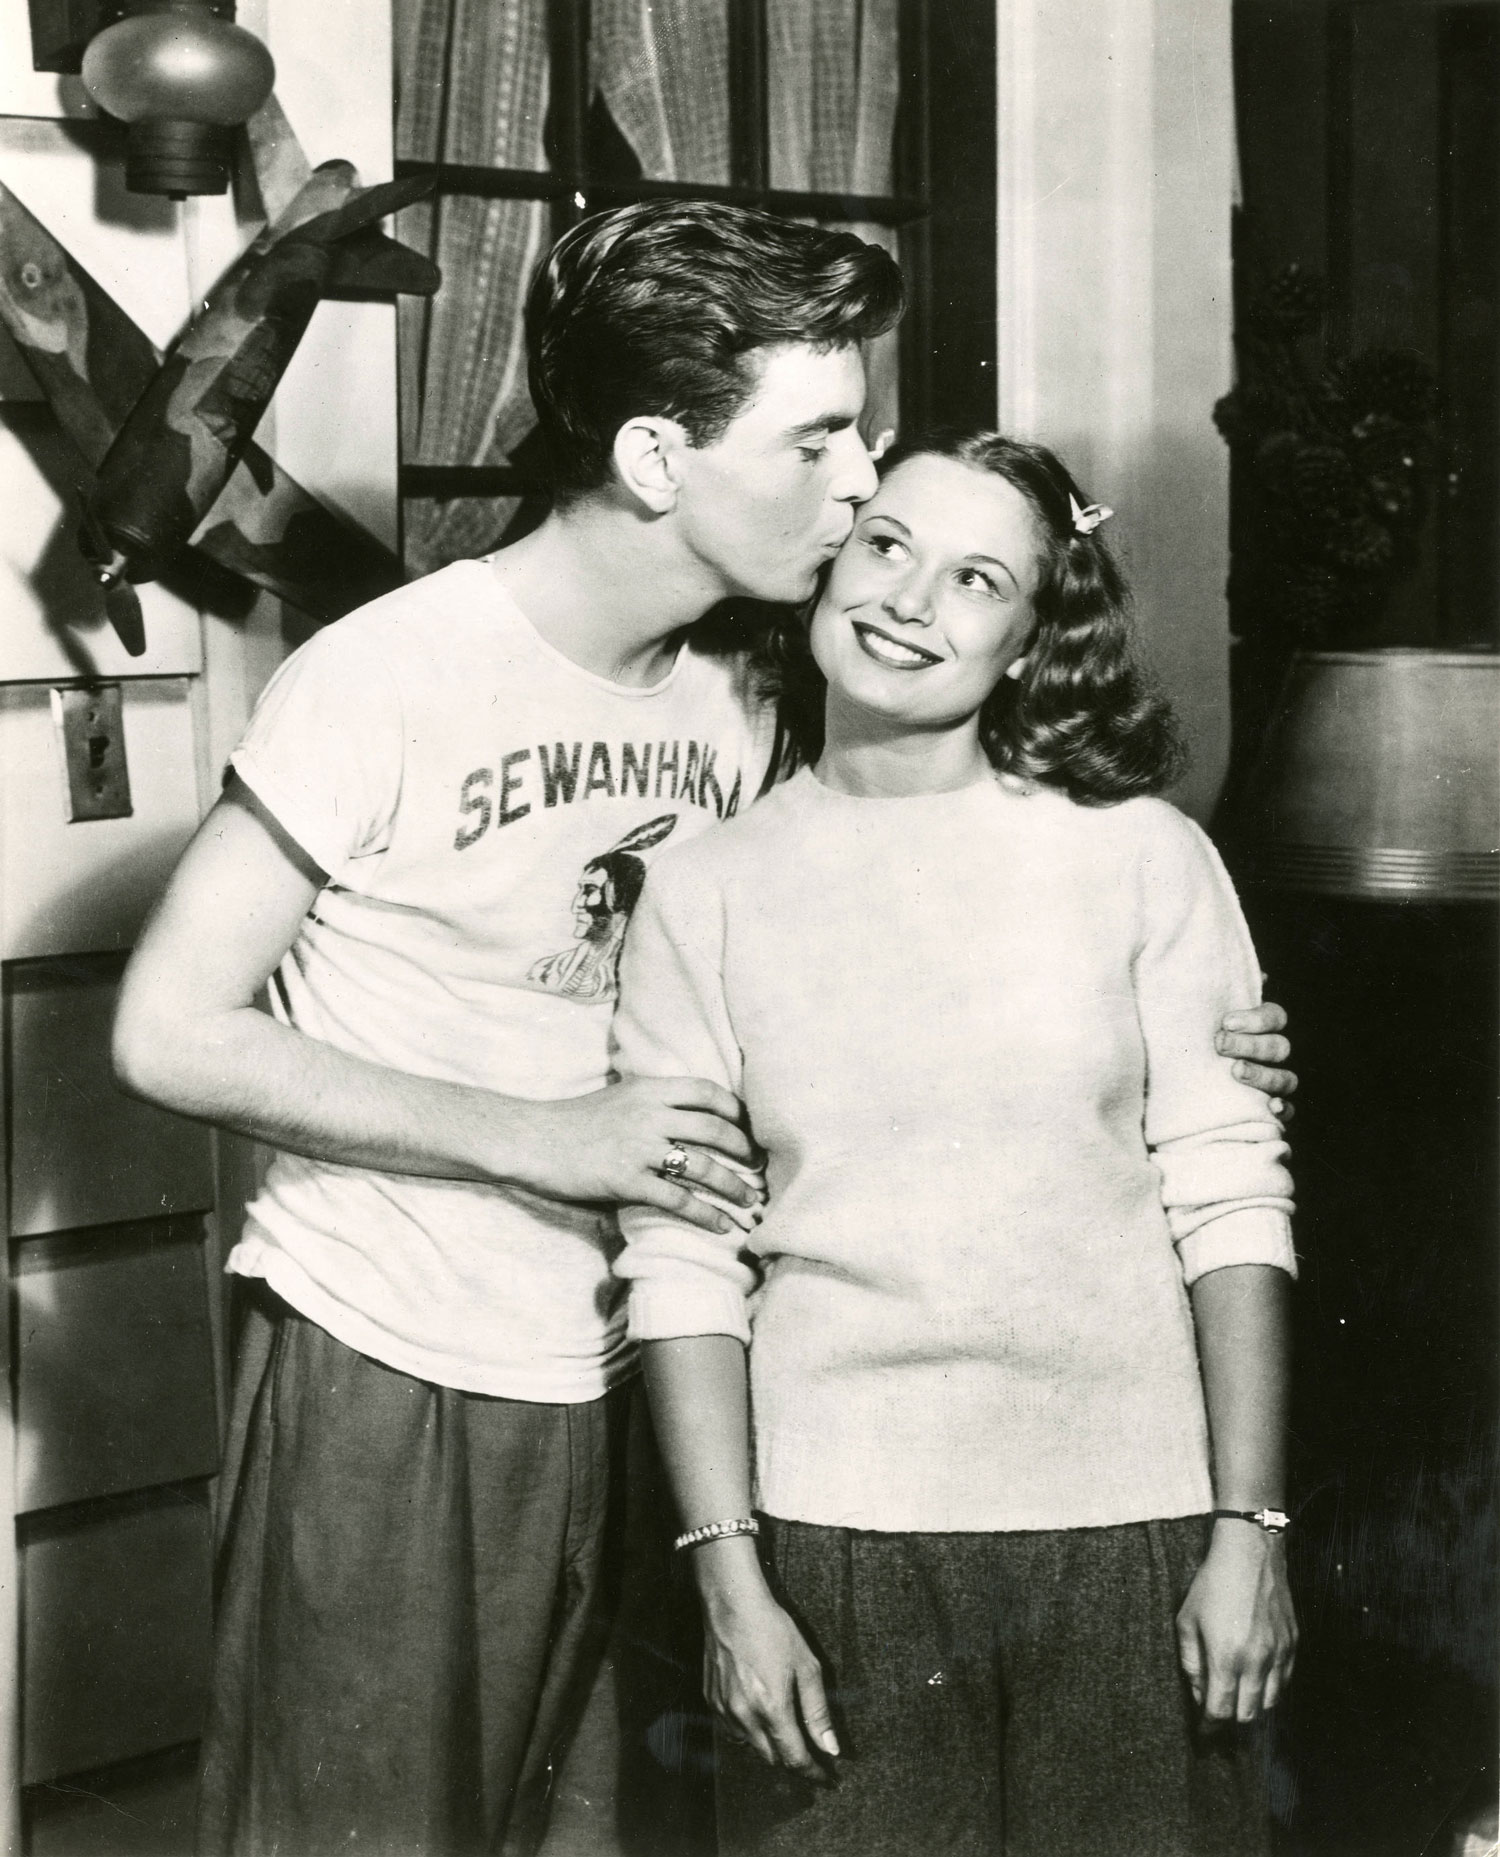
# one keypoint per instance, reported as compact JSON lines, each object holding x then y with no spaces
{"x":647,"y":456}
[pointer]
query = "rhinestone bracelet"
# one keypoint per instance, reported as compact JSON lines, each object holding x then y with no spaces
{"x":715,"y":1531}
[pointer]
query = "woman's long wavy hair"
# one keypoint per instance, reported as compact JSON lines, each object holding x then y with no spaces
{"x":1082,"y":716}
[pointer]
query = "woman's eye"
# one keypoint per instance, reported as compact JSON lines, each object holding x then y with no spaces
{"x":886,"y":546}
{"x":976,"y":581}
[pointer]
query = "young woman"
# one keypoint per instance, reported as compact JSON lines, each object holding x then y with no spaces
{"x":1015,"y":1315}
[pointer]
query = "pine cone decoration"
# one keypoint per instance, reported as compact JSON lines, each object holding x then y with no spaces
{"x":1340,"y":457}
{"x":1317,"y":604}
{"x":1245,"y":415}
{"x":1276,"y":462}
{"x":1234,"y":420}
{"x":1321,"y":478}
{"x":1362,"y":544}
{"x":1292,"y":303}
{"x":1389,"y":381}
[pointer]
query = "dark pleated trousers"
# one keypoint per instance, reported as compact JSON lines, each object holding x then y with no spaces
{"x":999,"y":1695}
{"x":412,"y":1603}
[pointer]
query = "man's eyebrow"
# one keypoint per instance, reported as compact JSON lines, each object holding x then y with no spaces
{"x":829,"y":422}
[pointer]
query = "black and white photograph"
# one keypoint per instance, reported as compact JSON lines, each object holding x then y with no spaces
{"x":750,"y":928}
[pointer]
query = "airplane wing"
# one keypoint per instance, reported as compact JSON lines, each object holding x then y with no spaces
{"x":93,"y":364}
{"x":367,"y":263}
{"x":281,"y":168}
{"x":89,"y":358}
{"x":265,"y":526}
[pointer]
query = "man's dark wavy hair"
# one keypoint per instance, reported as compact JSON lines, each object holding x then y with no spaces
{"x":1082,"y":716}
{"x":656,"y":308}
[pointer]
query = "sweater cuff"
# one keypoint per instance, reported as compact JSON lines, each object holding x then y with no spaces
{"x":1253,"y":1235}
{"x":667,"y":1312}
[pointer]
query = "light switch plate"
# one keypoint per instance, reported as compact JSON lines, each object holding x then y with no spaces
{"x":92,"y":728}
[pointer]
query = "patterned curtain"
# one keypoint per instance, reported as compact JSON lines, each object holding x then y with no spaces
{"x":471,"y":87}
{"x":834,"y":84}
{"x":662,"y":69}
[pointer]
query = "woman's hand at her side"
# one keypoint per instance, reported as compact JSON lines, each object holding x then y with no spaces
{"x":1237,"y":1631}
{"x":758,"y":1672}
{"x":759,"y":1675}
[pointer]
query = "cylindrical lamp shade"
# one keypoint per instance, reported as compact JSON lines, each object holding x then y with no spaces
{"x":1380,"y":777}
{"x":182,"y":79}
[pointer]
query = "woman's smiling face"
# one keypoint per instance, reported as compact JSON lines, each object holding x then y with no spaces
{"x":930,"y":601}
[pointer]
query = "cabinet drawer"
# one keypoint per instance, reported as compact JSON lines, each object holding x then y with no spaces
{"x":114,"y":1362}
{"x":116,"y":1628}
{"x":82,"y":1152}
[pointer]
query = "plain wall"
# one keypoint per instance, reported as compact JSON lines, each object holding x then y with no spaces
{"x":1115,"y":185}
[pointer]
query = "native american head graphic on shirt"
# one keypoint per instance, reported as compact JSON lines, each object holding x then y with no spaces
{"x":607,"y":892}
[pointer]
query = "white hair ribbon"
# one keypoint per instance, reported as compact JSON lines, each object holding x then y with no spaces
{"x":1085,"y":521}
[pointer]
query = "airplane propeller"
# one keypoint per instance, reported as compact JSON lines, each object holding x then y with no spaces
{"x":122,"y":604}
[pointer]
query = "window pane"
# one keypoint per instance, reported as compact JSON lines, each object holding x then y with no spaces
{"x":663,"y":74}
{"x":834,"y":81}
{"x":471,"y":81}
{"x":463,"y":358}
{"x":883,"y":371}
{"x":834,"y":78}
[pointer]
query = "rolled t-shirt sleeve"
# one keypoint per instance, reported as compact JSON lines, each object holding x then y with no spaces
{"x":323,"y":752}
{"x":1219,"y":1149}
{"x":671,"y":1021}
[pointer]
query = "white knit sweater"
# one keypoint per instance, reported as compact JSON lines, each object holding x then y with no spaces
{"x":974,"y":1033}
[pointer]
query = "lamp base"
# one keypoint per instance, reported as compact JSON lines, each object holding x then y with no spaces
{"x":1378,"y":778}
{"x":178,"y":158}
{"x":1382,"y":873}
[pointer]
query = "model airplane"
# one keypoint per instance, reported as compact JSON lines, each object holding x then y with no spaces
{"x":165,"y":454}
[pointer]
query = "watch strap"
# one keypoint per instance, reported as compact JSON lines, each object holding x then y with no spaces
{"x":1272,"y":1521}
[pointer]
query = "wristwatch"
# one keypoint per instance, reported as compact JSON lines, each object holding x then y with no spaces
{"x":1273,"y":1521}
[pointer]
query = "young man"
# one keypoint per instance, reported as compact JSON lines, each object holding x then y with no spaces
{"x":436,"y":826}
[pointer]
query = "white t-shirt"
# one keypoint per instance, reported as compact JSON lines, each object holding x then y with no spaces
{"x":485,"y":810}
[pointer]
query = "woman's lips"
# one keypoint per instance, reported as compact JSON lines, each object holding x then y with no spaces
{"x":895,"y":654}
